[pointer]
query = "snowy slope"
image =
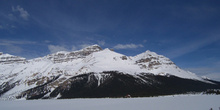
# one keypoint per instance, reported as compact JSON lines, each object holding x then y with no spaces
{"x":18,"y":75}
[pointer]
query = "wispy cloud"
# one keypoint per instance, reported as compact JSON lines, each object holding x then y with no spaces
{"x":127,"y":46}
{"x":201,"y":70}
{"x":14,"y":18}
{"x":47,"y":41}
{"x":192,"y":46}
{"x":14,"y":49}
{"x":7,"y":26}
{"x":56,"y":48}
{"x":84,"y":45}
{"x":215,"y":76}
{"x":23,"y":13}
{"x":14,"y":46}
{"x":5,"y":42}
{"x":212,"y":71}
{"x":74,"y":48}
{"x":101,"y":43}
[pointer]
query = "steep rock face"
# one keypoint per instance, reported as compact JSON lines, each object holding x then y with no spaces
{"x":92,"y":72}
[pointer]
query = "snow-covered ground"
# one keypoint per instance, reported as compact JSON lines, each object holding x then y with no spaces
{"x":179,"y":102}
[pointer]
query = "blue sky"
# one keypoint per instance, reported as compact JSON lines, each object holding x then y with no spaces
{"x":186,"y":31}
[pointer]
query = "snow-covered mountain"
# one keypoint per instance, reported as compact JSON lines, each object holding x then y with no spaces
{"x":66,"y":74}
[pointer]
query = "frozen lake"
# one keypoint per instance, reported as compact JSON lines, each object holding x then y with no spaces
{"x":179,"y":102}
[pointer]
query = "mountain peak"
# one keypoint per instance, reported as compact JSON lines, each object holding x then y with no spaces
{"x":146,"y":54}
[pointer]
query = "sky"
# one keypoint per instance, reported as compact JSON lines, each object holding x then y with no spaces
{"x":186,"y":31}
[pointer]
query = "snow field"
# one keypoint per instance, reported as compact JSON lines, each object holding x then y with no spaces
{"x":178,"y":102}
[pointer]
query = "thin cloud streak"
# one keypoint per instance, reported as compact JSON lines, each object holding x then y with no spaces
{"x":56,"y":48}
{"x":215,"y":76}
{"x":5,"y":42}
{"x":210,"y":72}
{"x":14,"y":46}
{"x":127,"y":46}
{"x":192,"y":46}
{"x":101,"y":43}
{"x":14,"y":49}
{"x":23,"y":13}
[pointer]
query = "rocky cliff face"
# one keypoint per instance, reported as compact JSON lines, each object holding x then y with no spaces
{"x":94,"y":72}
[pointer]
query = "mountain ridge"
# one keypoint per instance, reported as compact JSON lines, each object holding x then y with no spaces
{"x":45,"y":76}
